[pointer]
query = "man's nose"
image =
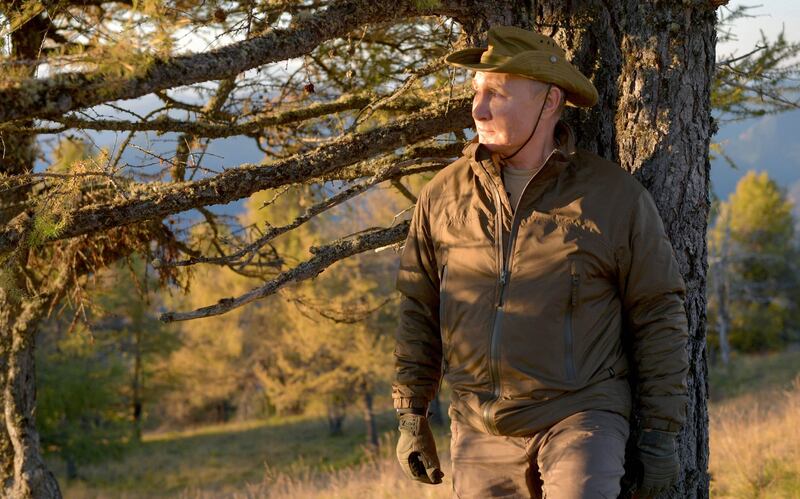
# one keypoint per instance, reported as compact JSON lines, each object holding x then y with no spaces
{"x":480,"y":108}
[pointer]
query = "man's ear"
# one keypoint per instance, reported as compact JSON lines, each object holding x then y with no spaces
{"x":556,"y":100}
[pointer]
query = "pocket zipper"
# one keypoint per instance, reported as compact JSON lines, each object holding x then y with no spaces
{"x":442,"y":315}
{"x":569,"y":360}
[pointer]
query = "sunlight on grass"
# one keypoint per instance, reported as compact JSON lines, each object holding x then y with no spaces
{"x":755,"y":451}
{"x":755,"y":445}
{"x":217,"y":429}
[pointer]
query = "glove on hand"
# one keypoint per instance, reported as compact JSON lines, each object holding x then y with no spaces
{"x":416,"y":449}
{"x":657,"y":451}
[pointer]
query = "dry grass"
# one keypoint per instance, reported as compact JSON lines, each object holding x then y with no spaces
{"x":378,"y":478}
{"x":755,"y":451}
{"x":755,"y":445}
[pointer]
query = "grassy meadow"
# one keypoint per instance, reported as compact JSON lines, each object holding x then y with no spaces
{"x":755,"y":428}
{"x":755,"y":450}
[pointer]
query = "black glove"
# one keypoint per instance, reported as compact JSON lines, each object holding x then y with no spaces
{"x":416,"y":449}
{"x":658,"y":453}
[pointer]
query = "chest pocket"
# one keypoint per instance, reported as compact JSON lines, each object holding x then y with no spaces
{"x":559,"y":296}
{"x":466,"y":227}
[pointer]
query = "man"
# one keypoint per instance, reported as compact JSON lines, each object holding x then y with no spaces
{"x":531,"y":267}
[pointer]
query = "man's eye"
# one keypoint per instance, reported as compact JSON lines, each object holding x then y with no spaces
{"x":488,"y":91}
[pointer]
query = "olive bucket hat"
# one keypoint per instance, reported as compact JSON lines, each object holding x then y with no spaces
{"x":529,"y":54}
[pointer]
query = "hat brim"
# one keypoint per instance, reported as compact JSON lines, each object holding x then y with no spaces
{"x":537,"y":65}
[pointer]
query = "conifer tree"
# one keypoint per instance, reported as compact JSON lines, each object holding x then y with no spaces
{"x":751,"y":247}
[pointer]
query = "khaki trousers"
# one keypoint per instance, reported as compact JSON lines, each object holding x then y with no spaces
{"x":580,"y":457}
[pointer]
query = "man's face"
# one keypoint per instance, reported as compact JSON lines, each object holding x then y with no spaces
{"x":504,"y":109}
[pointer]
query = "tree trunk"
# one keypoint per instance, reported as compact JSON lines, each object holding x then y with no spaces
{"x":22,"y":469}
{"x":136,"y":388}
{"x":336,"y":415}
{"x":723,"y":316}
{"x":652,"y":64}
{"x":22,"y":466}
{"x":369,"y":417}
{"x":435,"y":410}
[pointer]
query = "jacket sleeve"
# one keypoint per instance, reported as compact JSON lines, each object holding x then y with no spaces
{"x":653,"y":294}
{"x":418,"y":349}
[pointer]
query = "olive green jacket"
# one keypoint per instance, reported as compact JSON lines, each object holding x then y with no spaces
{"x":533,"y":313}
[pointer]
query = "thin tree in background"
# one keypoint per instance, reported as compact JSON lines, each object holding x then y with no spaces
{"x":720,"y":268}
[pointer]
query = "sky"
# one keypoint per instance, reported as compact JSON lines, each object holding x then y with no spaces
{"x":770,"y":17}
{"x":768,"y":143}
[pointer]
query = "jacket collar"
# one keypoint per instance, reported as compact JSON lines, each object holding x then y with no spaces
{"x":559,"y":159}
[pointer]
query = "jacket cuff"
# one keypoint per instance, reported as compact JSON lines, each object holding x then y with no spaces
{"x":410,"y":403}
{"x":660,"y":424}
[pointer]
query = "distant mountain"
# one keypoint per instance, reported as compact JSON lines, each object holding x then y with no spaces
{"x":770,"y":143}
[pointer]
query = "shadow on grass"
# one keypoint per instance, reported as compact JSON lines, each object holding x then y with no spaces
{"x":749,"y":373}
{"x":226,"y":455}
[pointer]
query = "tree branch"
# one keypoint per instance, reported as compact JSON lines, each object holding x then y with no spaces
{"x":323,"y":258}
{"x":386,"y":172}
{"x":237,"y":183}
{"x":51,"y":97}
{"x":213,"y":130}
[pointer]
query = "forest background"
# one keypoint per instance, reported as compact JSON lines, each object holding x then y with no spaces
{"x":296,"y":385}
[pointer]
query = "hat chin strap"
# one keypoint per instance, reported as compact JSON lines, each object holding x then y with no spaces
{"x":534,"y":126}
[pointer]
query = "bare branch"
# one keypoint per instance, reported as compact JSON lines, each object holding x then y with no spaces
{"x":237,"y":183}
{"x":323,"y":258}
{"x":206,"y":129}
{"x":404,"y":190}
{"x":51,"y":97}
{"x":366,"y":168}
{"x":350,"y":315}
{"x":385,"y":173}
{"x":365,"y":113}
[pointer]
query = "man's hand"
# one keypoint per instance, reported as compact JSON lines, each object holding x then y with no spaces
{"x":416,"y":449}
{"x":657,"y":451}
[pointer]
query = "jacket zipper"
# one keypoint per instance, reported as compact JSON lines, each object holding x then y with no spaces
{"x":494,"y":375}
{"x":503,"y":278}
{"x":569,"y":360}
{"x":443,"y":316}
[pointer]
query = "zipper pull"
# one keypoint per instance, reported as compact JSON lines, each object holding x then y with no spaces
{"x":503,"y":275}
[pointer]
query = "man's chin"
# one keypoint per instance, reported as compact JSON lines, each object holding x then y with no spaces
{"x":495,"y":148}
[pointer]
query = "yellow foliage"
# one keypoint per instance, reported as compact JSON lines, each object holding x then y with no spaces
{"x":55,"y":210}
{"x":757,"y":213}
{"x":19,"y":15}
{"x":207,"y":367}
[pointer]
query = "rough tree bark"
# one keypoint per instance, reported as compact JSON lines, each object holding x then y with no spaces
{"x":653,"y":64}
{"x":22,"y":469}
